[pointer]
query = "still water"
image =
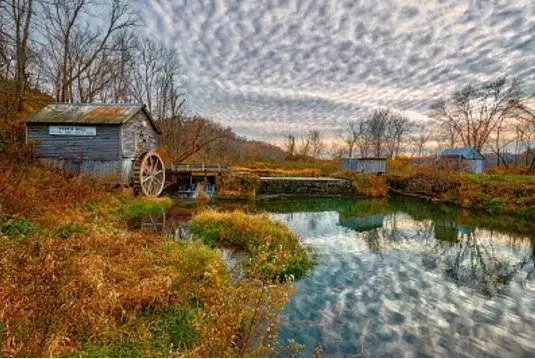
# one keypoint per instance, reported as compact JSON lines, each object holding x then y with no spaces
{"x":404,"y":277}
{"x":409,"y":278}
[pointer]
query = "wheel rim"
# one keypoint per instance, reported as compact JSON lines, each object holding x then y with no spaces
{"x":151,"y":175}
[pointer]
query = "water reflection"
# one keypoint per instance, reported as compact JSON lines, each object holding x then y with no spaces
{"x":405,"y":278}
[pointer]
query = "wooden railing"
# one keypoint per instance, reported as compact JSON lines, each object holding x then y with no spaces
{"x":197,"y":167}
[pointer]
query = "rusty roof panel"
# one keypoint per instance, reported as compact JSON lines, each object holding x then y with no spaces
{"x":111,"y":114}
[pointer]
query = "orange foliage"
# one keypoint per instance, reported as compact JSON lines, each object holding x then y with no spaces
{"x":371,"y":186}
{"x":41,"y":192}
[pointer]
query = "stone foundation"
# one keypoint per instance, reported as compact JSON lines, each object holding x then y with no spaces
{"x":319,"y":186}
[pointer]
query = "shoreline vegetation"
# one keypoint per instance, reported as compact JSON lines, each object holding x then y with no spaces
{"x":494,"y":194}
{"x":79,"y":281}
{"x":511,"y":193}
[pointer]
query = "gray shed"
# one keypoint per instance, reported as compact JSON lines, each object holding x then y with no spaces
{"x":463,"y":159}
{"x":365,"y":165}
{"x":111,"y":141}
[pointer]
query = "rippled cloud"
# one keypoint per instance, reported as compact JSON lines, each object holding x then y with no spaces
{"x":268,"y":68}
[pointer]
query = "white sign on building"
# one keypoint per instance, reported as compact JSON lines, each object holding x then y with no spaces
{"x":72,"y":130}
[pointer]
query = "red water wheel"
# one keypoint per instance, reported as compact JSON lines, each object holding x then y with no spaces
{"x":148,"y":174}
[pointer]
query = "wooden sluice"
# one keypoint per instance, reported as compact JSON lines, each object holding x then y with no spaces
{"x":187,"y":176}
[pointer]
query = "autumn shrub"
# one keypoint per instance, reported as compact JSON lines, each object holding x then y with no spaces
{"x":496,"y":194}
{"x":400,"y":166}
{"x":269,"y":243}
{"x":368,"y":185}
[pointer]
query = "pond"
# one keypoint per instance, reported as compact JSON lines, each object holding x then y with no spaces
{"x":409,"y":278}
{"x":406,"y":277}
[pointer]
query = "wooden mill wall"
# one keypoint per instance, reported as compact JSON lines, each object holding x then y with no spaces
{"x":138,"y":136}
{"x":105,"y":146}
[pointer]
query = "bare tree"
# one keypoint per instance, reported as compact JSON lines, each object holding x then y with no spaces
{"x":397,"y":127}
{"x":186,"y":137}
{"x":156,"y":81}
{"x":20,"y":13}
{"x":337,"y":150}
{"x":476,"y":112}
{"x":525,"y":133}
{"x":76,"y":37}
{"x":304,"y":148}
{"x":377,"y":126}
{"x":289,"y":145}
{"x":420,"y":139}
{"x":352,"y":137}
{"x":316,"y":143}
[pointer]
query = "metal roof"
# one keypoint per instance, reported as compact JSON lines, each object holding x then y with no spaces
{"x":91,"y":114}
{"x":469,"y":153}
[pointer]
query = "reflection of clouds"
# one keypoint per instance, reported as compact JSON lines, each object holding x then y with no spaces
{"x":309,"y":64}
{"x":402,"y":291}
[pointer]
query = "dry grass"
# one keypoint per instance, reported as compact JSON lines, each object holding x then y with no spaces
{"x":370,"y":186}
{"x":77,"y":281}
{"x":299,"y":166}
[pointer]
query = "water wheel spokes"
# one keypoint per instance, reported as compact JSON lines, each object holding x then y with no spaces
{"x":148,"y":174}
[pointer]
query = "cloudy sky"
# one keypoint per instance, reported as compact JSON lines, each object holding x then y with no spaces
{"x":272,"y":67}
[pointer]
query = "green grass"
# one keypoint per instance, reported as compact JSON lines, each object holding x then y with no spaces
{"x":500,"y":179}
{"x":141,"y":207}
{"x":67,"y":230}
{"x":275,"y":251}
{"x":174,"y":328}
{"x":18,"y":227}
{"x":169,"y":331}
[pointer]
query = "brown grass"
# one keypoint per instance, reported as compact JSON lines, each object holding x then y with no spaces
{"x":81,"y":283}
{"x":40,"y":192}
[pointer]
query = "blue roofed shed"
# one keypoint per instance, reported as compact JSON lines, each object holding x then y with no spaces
{"x":464,"y":159}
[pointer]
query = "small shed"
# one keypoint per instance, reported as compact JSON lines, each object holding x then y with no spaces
{"x":463,"y":159}
{"x":98,"y":140}
{"x":365,"y":165}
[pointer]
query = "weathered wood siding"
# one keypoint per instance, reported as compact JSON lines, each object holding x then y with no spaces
{"x":359,"y":165}
{"x":371,"y":166}
{"x":104,"y":146}
{"x":138,"y":136}
{"x":476,"y":166}
{"x":110,"y":171}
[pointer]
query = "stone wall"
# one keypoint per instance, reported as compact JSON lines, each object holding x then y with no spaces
{"x":304,"y":186}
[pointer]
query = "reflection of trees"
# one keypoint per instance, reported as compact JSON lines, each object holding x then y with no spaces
{"x":471,"y":258}
{"x":382,"y":238}
{"x":373,"y":239}
{"x":474,"y":262}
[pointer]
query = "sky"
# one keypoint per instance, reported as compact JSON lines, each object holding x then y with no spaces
{"x":269,"y":68}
